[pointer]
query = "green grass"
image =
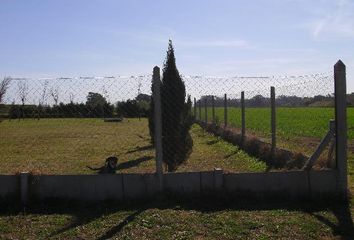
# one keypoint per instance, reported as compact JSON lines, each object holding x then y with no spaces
{"x":66,"y":146}
{"x":291,"y":122}
{"x":176,"y":219}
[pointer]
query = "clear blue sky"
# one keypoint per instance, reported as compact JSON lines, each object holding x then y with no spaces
{"x":220,"y":38}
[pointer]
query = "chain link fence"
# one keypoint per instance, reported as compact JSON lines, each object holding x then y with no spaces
{"x":76,"y":96}
{"x":59,"y":120}
{"x":302,"y":103}
{"x":295,"y":118}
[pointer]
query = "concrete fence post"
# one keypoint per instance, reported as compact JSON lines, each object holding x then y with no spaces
{"x":225,"y":110}
{"x":340,"y":92}
{"x":206,"y":110}
{"x":273,"y":120}
{"x":195,"y":108}
{"x":218,"y":179}
{"x":243,"y":119}
{"x":158,"y":125}
{"x":213,"y":108}
{"x":24,"y":183}
{"x":200,"y":109}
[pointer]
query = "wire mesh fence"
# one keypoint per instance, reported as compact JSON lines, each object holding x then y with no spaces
{"x":291,"y":112}
{"x":62,"y":125}
{"x":304,"y":106}
{"x":77,"y":96}
{"x":296,"y":100}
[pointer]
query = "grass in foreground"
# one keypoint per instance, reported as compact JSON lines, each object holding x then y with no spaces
{"x":66,"y":146}
{"x":184,"y":219}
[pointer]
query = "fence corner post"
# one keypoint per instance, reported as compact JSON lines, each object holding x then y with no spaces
{"x":225,"y":110}
{"x":243,"y":118}
{"x":206,"y":110}
{"x":213,"y":108}
{"x":218,"y":179}
{"x":24,"y":184}
{"x":340,"y":92}
{"x":158,"y":125}
{"x":273,"y":119}
{"x":195,"y":109}
{"x":200,"y":110}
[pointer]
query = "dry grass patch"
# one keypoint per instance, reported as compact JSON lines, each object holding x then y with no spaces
{"x":66,"y":146}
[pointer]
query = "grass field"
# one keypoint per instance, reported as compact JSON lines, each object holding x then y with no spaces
{"x":178,"y":219}
{"x":66,"y":146}
{"x":291,"y":122}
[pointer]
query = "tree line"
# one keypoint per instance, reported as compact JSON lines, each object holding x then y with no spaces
{"x":96,"y":106}
{"x":281,"y":101}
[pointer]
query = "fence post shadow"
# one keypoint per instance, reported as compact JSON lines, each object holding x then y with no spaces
{"x":345,"y":227}
{"x":118,"y":228}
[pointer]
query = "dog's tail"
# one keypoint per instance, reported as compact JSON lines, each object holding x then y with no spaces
{"x":94,"y":169}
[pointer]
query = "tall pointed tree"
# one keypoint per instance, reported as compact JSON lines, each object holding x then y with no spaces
{"x":176,"y":116}
{"x":177,"y":119}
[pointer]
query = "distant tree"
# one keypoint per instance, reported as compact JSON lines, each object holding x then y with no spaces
{"x":143,"y":97}
{"x":42,"y":100}
{"x":129,"y":108}
{"x":98,"y":105}
{"x":350,"y":99}
{"x":71,"y":97}
{"x":4,"y":85}
{"x":143,"y":101}
{"x":177,"y":143}
{"x":23,"y":92}
{"x":93,"y":99}
{"x":258,"y":101}
{"x":54,"y":92}
{"x":289,"y":101}
{"x":14,"y":111}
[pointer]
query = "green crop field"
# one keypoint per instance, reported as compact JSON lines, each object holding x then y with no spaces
{"x":290,"y":122}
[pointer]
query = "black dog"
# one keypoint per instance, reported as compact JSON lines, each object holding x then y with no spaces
{"x":110,"y":166}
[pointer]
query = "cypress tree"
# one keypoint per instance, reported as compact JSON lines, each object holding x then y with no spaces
{"x":176,"y":115}
{"x":177,"y":119}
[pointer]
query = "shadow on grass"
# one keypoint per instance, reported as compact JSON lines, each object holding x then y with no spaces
{"x":133,"y":163}
{"x":84,"y":213}
{"x":140,"y":149}
{"x":84,"y":217}
{"x":116,"y":229}
{"x":344,"y":227}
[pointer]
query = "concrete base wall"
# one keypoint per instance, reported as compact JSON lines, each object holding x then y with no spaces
{"x":323,"y":182}
{"x":79,"y":187}
{"x":94,"y":187}
{"x":134,"y":186}
{"x":9,"y":186}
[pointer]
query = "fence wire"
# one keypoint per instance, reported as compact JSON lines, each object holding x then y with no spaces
{"x":304,"y":107}
{"x":304,"y":104}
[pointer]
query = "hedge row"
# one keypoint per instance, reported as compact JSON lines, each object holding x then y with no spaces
{"x":281,"y":159}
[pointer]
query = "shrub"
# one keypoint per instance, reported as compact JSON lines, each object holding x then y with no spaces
{"x":298,"y":161}
{"x":252,"y":146}
{"x":265,"y":152}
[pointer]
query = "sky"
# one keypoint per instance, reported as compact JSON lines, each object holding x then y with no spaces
{"x":62,"y":38}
